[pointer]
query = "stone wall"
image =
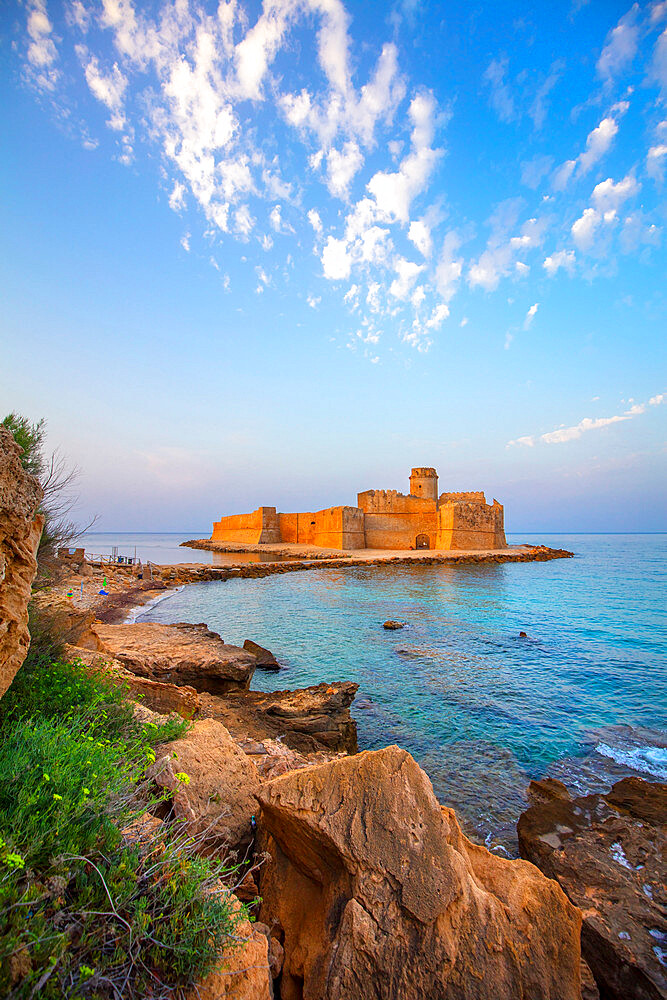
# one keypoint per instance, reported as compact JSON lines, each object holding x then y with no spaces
{"x":20,"y":531}
{"x":470,"y":526}
{"x":261,"y":525}
{"x":332,"y":528}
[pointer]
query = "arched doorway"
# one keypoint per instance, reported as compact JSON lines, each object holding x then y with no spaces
{"x":422,"y":542}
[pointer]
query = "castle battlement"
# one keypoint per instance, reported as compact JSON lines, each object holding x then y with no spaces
{"x":382,"y":519}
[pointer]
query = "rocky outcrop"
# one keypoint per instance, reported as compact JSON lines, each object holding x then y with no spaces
{"x":212,"y":784}
{"x":20,"y":531}
{"x":608,"y":853}
{"x":264,"y":657}
{"x":308,"y":719}
{"x":158,"y":696}
{"x":178,"y":654}
{"x":375,"y":892}
{"x":272,"y":758}
{"x":244,"y":972}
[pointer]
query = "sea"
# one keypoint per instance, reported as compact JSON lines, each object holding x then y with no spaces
{"x":582,"y":697}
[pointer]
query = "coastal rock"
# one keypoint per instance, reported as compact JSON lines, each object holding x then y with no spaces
{"x":392,"y":626}
{"x":264,"y":657}
{"x":215,"y":800}
{"x":272,"y":758}
{"x":377,"y":893}
{"x":179,"y":654}
{"x":158,"y":696}
{"x":20,"y":532}
{"x":307,"y":719}
{"x":244,"y":969}
{"x":608,"y":853}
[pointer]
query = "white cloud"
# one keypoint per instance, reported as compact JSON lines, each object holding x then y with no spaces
{"x":336,"y":262}
{"x":598,"y":143}
{"x":275,"y":218}
{"x":42,"y":53}
{"x":406,"y":275}
{"x":659,"y":64}
{"x":562,"y":258}
{"x":342,"y":165}
{"x":655,"y":162}
{"x":177,"y":197}
{"x":449,"y":268}
{"x":464,"y":322}
{"x":583,"y":230}
{"x":530,"y":316}
{"x":564,"y":434}
{"x":185,"y":242}
{"x":621,"y":45}
{"x":315,"y":220}
{"x":420,"y":234}
{"x":107,"y":88}
{"x":501,"y":254}
{"x":608,"y":197}
{"x":395,"y":192}
{"x":313,"y":301}
{"x":500,"y":95}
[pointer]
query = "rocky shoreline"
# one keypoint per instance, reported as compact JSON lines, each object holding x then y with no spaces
{"x":359,"y":881}
{"x":364,"y":877}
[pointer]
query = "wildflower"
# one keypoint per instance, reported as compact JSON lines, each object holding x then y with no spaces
{"x":182,"y":777}
{"x":57,"y":798}
{"x":86,"y":791}
{"x":46,"y":777}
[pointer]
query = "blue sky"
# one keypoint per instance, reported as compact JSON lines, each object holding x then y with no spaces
{"x":275,"y":254}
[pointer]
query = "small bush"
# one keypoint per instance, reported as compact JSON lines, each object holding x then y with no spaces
{"x":84,"y":910}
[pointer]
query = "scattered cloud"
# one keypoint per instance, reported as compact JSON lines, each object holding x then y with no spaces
{"x":500,"y":95}
{"x":560,"y":259}
{"x":564,"y":434}
{"x":530,"y":316}
{"x":620,"y":47}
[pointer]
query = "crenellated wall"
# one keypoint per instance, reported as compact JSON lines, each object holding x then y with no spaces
{"x":471,"y":526}
{"x":383,"y":519}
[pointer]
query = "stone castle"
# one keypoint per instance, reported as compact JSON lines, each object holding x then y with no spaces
{"x":382,"y":519}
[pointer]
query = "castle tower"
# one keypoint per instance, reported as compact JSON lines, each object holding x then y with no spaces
{"x":424,"y":483}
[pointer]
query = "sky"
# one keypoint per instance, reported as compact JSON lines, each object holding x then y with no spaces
{"x":279,"y":253}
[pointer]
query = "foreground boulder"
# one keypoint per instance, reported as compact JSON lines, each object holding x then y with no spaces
{"x":179,"y":654}
{"x":376,"y":893}
{"x":307,"y":719}
{"x":608,"y":852}
{"x":20,"y":531}
{"x":212,"y":784}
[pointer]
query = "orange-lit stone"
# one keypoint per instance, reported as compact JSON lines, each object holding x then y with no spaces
{"x":382,"y":519}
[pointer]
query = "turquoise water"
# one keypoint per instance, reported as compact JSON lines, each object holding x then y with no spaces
{"x":584,"y":697}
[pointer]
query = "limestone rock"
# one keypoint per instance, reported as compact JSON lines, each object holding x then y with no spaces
{"x":179,"y":654}
{"x":158,"y":696}
{"x":379,"y":895}
{"x":20,"y":531}
{"x":265,"y":658}
{"x":392,"y":626}
{"x":216,"y":801}
{"x":272,"y":758}
{"x":244,"y":969}
{"x":307,"y":719}
{"x":609,"y":853}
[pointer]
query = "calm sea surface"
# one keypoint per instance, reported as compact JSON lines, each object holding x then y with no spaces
{"x":583,"y":698}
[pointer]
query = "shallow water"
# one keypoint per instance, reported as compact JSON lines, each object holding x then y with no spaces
{"x":480,"y":708}
{"x":165,"y":548}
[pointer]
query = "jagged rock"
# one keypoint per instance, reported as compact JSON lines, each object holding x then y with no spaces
{"x":179,"y":654}
{"x":308,"y":719}
{"x":392,"y":626}
{"x":272,"y":758}
{"x":608,"y":852}
{"x":215,"y":802}
{"x":158,"y":696}
{"x":265,"y":658}
{"x":379,"y":894}
{"x":20,"y":531}
{"x":244,"y":968}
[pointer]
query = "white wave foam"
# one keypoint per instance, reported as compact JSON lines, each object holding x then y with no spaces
{"x":141,"y":609}
{"x":646,"y":759}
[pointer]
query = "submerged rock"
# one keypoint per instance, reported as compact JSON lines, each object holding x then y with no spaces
{"x":179,"y":654}
{"x":264,"y":657}
{"x":20,"y":531}
{"x":608,"y":852}
{"x":375,"y":892}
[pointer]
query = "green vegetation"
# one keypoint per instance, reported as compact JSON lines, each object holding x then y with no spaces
{"x":88,"y":911}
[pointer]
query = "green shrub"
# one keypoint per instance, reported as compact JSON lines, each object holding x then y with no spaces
{"x":86,"y":911}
